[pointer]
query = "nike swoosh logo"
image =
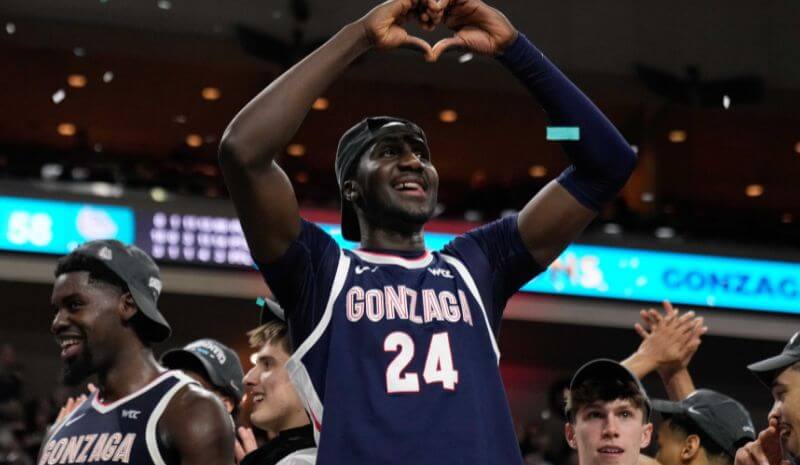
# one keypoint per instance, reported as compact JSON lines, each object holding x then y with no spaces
{"x":73,"y":420}
{"x":361,"y":269}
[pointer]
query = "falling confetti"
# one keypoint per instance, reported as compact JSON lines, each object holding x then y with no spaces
{"x":11,"y":28}
{"x":726,"y":102}
{"x":108,"y":76}
{"x":563,"y":133}
{"x":59,"y":96}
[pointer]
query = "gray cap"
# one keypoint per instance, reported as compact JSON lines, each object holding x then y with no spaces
{"x":219,"y":363}
{"x":138,"y":271}
{"x":720,"y":417}
{"x":769,"y":369}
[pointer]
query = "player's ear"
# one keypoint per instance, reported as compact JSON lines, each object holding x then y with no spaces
{"x":351,"y":190}
{"x":647,"y":435}
{"x":691,"y":447}
{"x":127,"y":307}
{"x":569,"y":433}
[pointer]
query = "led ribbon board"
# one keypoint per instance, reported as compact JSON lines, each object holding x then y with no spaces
{"x":634,"y":274}
{"x":57,"y":227}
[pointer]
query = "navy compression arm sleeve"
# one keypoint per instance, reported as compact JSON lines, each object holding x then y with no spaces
{"x":602,"y":160}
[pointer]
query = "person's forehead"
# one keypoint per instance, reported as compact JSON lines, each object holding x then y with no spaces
{"x":789,"y":378}
{"x":610,"y":404}
{"x":69,"y":283}
{"x":272,"y":349}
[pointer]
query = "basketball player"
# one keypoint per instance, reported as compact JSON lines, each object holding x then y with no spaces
{"x":397,"y":343}
{"x":608,"y":414}
{"x":106,"y":320}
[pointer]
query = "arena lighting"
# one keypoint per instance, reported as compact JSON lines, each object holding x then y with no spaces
{"x":612,"y":229}
{"x":194,"y":140}
{"x":677,"y":136}
{"x":51,"y":171}
{"x":79,"y":52}
{"x":754,"y":190}
{"x":665,"y":232}
{"x":108,"y":76}
{"x":164,"y":4}
{"x":647,"y":197}
{"x":301,"y":177}
{"x":448,"y":116}
{"x":537,"y":171}
{"x":180,"y":119}
{"x":11,"y":28}
{"x":726,"y":102}
{"x":158,"y":194}
{"x":210,"y":93}
{"x":296,"y":150}
{"x":320,"y":104}
{"x":76,"y":80}
{"x":66,"y":129}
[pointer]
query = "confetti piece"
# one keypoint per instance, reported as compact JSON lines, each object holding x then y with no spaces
{"x":11,"y":28}
{"x":726,"y":102}
{"x":465,"y":57}
{"x":108,"y":76}
{"x":260,"y":302}
{"x":59,"y":96}
{"x":563,"y":133}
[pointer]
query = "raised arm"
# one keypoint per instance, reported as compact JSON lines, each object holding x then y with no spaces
{"x":667,"y":347}
{"x":261,"y":191}
{"x":602,"y":160}
{"x":196,"y":430}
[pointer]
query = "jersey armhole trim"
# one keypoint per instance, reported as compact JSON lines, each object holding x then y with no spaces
{"x":467,"y":277}
{"x":152,"y":423}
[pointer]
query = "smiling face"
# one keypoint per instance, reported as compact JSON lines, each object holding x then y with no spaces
{"x":275,"y":404}
{"x":87,"y":324}
{"x":609,"y":433}
{"x":395,"y":185}
{"x":786,"y":409}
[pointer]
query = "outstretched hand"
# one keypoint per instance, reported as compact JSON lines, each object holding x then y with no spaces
{"x":73,"y":403}
{"x":765,"y":450}
{"x":672,"y":339}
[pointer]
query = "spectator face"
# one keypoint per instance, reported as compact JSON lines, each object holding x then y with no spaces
{"x":275,"y":404}
{"x":786,"y":409}
{"x":609,"y":433}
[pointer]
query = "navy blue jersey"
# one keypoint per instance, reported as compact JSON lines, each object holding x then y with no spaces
{"x":396,"y":357}
{"x":120,"y":432}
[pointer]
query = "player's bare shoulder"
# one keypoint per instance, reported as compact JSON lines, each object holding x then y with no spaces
{"x":196,"y":427}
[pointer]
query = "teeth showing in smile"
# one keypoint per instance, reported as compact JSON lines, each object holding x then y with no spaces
{"x":408,"y":186}
{"x":65,"y":343}
{"x":258,"y":397}
{"x":611,"y":450}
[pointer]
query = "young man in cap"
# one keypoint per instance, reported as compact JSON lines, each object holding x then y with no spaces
{"x":779,"y":443}
{"x":106,"y":319}
{"x":276,"y":409}
{"x":394,"y":342}
{"x":608,"y":414}
{"x":706,"y":428}
{"x":212,"y":364}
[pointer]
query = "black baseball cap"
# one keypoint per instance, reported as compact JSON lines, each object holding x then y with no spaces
{"x":769,"y":369}
{"x":138,"y":271}
{"x":218,"y":362}
{"x":720,"y":417}
{"x":352,"y":145}
{"x":270,"y":310}
{"x":609,"y":370}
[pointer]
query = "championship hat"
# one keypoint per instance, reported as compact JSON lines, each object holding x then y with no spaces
{"x":218,"y":362}
{"x":767,"y":370}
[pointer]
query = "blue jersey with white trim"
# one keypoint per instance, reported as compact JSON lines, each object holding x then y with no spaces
{"x":121,"y":432}
{"x":396,"y":357}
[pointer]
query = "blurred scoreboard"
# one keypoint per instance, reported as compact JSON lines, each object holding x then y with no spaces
{"x":200,"y":239}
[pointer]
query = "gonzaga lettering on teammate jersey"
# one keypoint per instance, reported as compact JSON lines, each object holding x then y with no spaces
{"x":120,"y":432}
{"x":396,"y":357}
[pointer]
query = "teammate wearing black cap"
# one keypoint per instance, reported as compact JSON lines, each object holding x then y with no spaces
{"x":106,"y":319}
{"x":779,"y":443}
{"x":705,"y":428}
{"x":608,"y":414}
{"x":394,"y":342}
{"x":212,"y":364}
